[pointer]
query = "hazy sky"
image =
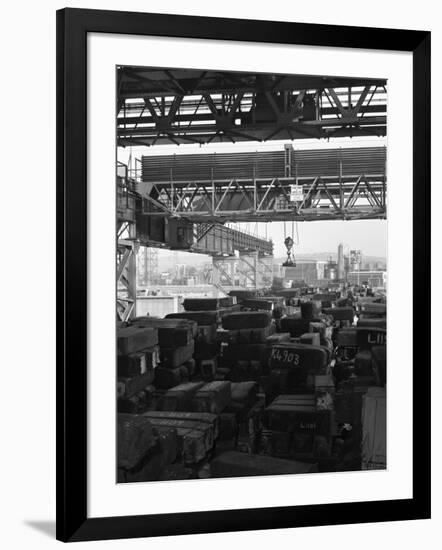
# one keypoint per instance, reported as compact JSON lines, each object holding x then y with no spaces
{"x":370,"y":236}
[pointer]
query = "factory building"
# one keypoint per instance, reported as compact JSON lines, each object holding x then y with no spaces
{"x":375,"y":279}
{"x":312,"y":272}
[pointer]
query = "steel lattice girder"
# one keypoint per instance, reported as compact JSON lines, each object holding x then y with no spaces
{"x":268,"y":199}
{"x":126,"y":279}
{"x":223,"y":271}
{"x":189,"y":106}
{"x":248,"y":270}
{"x":216,"y":239}
{"x":345,"y":183}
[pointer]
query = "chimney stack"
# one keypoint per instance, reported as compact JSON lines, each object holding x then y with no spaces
{"x":341,"y":261}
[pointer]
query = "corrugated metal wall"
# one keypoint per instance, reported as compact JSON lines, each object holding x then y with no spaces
{"x":267,"y":164}
{"x":326,"y":162}
{"x":214,"y":166}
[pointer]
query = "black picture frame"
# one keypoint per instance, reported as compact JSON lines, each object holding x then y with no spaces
{"x":73,"y":25}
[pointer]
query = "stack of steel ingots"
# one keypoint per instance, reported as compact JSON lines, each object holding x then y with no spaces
{"x":291,"y":300}
{"x":137,"y":360}
{"x":293,"y":366}
{"x":327,"y":299}
{"x":176,"y":338}
{"x":191,"y":424}
{"x":355,"y":378}
{"x":229,"y":387}
{"x":144,"y":451}
{"x":360,"y":370}
{"x":313,"y":323}
{"x":371,"y":308}
{"x":297,"y":427}
{"x":187,"y":415}
{"x":299,"y":419}
{"x":193,"y":410}
{"x":358,"y":353}
{"x":337,"y":308}
{"x":275,"y":304}
{"x":242,"y":419}
{"x":157,"y":446}
{"x":299,"y":388}
{"x":207,"y":313}
{"x":196,"y":433}
{"x":220,"y":305}
{"x":243,"y":294}
{"x":247,"y":337}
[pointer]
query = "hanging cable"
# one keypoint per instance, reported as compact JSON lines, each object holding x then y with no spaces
{"x":289,"y":243}
{"x":297,"y":232}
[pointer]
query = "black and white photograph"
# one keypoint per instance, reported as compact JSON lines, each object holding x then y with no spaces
{"x":252,"y":273}
{"x":215,"y":213}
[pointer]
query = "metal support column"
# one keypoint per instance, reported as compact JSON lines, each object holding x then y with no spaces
{"x":250,"y":275}
{"x":265,"y":264}
{"x":223,"y":271}
{"x":126,"y":279}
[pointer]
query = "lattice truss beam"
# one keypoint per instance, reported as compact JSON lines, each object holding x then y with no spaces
{"x":147,"y":265}
{"x":158,"y":106}
{"x":126,"y":271}
{"x":358,"y":196}
{"x":220,"y":240}
{"x":249,"y":269}
{"x":310,"y":184}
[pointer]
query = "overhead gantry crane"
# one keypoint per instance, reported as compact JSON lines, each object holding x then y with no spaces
{"x":176,"y":106}
{"x":234,"y":253}
{"x":184,"y":201}
{"x":281,"y":185}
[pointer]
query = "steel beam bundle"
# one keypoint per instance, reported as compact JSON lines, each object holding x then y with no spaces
{"x":178,"y":106}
